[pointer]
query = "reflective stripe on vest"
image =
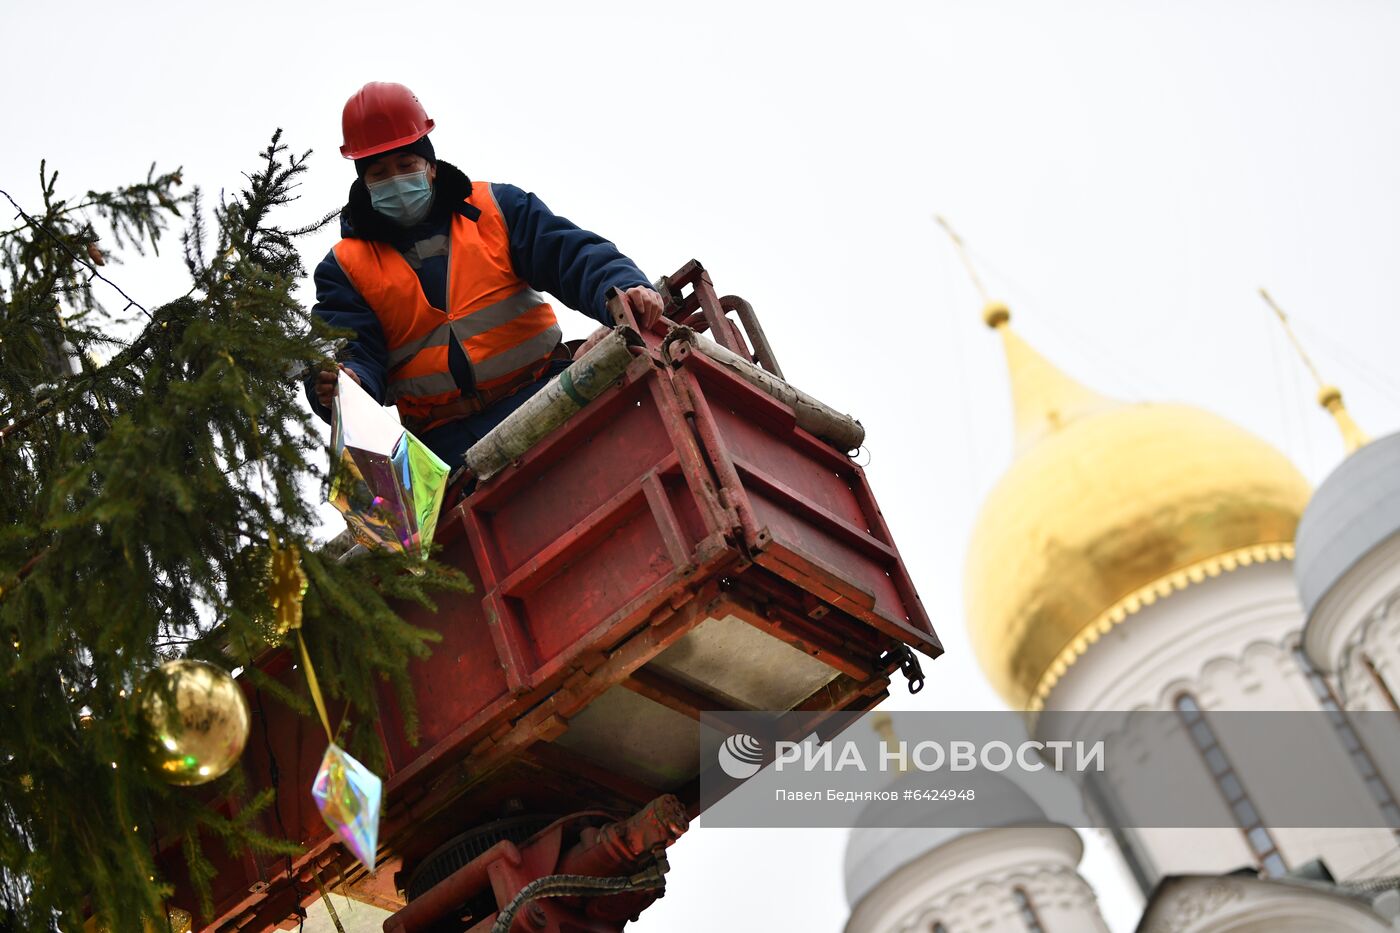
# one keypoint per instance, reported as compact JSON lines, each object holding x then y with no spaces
{"x":502,"y":312}
{"x":504,"y":364}
{"x":505,"y":327}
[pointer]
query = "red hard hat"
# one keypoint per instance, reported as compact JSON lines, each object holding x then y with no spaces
{"x":379,"y":117}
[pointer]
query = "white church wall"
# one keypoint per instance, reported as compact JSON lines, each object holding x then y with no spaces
{"x":1228,"y":643}
{"x":1268,"y":676}
{"x":1164,"y":648}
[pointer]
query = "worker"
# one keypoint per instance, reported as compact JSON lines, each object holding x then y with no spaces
{"x":439,"y":278}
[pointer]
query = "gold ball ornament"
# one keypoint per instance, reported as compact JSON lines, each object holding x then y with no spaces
{"x":202,"y":736}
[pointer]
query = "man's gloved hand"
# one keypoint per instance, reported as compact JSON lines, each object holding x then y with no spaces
{"x":325,"y":383}
{"x":646,"y":305}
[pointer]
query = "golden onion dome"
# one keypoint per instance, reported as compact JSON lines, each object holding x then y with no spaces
{"x":1107,"y":507}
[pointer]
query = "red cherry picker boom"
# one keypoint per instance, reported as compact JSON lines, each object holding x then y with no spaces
{"x":691,"y":536}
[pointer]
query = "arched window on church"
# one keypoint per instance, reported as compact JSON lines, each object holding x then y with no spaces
{"x":1261,"y":841}
{"x":1360,"y":757}
{"x":1028,"y":915}
{"x":938,"y":928}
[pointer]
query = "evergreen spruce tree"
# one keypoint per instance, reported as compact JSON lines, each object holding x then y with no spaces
{"x":148,"y":455}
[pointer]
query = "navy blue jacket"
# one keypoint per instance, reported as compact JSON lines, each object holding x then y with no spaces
{"x":547,"y":251}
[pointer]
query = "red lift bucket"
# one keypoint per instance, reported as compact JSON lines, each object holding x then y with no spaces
{"x":679,"y":544}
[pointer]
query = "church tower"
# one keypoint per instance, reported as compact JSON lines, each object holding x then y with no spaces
{"x":1348,"y":575}
{"x":1138,"y":556}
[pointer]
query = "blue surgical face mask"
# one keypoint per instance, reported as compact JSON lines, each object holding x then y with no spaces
{"x":404,"y":199}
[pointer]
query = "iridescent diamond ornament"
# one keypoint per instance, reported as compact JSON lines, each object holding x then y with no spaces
{"x":386,"y":483}
{"x":348,"y":795}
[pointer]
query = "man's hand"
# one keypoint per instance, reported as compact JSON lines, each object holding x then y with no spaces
{"x":646,"y":305}
{"x":325,"y":383}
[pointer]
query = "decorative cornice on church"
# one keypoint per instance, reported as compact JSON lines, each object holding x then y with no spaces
{"x":1146,"y":596}
{"x":1349,"y":604}
{"x":1185,"y":908}
{"x":1369,"y":640}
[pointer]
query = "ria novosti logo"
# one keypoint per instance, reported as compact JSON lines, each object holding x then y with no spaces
{"x":741,"y":756}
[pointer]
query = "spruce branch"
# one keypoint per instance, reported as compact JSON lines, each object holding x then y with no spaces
{"x":142,"y":492}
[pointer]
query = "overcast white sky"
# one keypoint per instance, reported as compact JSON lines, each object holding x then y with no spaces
{"x":1128,"y":173}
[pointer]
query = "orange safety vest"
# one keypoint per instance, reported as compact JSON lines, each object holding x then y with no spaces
{"x":505,"y":327}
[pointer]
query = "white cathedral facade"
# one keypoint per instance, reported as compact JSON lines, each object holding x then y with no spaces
{"x":1157,"y":557}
